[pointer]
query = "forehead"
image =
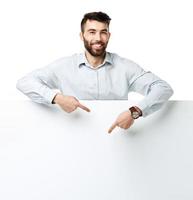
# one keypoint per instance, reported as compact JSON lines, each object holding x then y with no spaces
{"x":93,"y":24}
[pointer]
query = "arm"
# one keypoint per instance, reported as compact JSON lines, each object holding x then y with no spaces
{"x":156,"y":92}
{"x":39,"y":86}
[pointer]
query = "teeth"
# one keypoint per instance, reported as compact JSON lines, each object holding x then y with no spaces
{"x":97,"y":45}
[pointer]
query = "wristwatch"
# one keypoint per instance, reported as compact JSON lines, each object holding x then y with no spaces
{"x":135,"y":112}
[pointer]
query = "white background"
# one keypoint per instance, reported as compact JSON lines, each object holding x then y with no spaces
{"x":158,"y":35}
{"x":155,"y":34}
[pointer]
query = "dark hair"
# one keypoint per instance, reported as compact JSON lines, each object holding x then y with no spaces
{"x":98,"y":16}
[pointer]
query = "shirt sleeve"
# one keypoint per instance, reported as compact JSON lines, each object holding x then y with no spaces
{"x":156,"y":91}
{"x":40,"y":85}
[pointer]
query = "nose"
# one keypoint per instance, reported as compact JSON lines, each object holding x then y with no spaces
{"x":98,"y":36}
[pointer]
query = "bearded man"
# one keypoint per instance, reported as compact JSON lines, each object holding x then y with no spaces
{"x":96,"y":75}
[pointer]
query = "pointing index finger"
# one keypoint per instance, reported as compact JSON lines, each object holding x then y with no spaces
{"x":83,"y":107}
{"x":112,"y":127}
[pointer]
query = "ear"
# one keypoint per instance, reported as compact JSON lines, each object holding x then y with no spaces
{"x":81,"y":36}
{"x":109,"y":34}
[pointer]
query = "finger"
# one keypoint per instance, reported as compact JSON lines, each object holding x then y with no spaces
{"x":112,"y":127}
{"x":83,"y":107}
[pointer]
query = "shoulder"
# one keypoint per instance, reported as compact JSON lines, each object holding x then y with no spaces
{"x":63,"y":61}
{"x":124,"y":62}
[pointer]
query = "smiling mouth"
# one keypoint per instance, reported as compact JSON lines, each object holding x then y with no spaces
{"x":97,"y":46}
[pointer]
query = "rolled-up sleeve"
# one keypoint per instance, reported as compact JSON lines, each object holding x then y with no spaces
{"x":156,"y":91}
{"x":40,"y":85}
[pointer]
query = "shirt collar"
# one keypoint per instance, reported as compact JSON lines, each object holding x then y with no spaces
{"x":83,"y":60}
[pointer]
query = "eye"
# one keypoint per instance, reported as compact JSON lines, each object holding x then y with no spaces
{"x":104,"y":32}
{"x":92,"y":32}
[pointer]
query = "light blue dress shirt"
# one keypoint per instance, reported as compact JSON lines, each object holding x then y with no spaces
{"x":112,"y":80}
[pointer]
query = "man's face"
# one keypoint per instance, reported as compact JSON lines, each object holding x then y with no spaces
{"x":95,"y":37}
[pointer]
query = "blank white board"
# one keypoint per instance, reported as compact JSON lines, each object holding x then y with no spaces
{"x":47,"y":154}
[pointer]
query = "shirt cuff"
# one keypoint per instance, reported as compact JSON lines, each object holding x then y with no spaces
{"x":49,"y":96}
{"x":143,"y":107}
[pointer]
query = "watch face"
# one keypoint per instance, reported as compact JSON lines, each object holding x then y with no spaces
{"x":135,"y":115}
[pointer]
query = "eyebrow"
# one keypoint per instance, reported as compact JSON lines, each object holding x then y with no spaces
{"x":95,"y":30}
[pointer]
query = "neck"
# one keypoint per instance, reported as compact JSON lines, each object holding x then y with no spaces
{"x":95,"y":61}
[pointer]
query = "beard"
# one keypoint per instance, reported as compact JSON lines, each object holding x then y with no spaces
{"x":96,"y":52}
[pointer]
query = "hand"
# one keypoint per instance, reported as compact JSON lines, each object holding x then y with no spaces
{"x":69,"y":103}
{"x":124,"y":120}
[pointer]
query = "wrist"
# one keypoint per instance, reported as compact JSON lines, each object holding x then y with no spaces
{"x":135,"y":112}
{"x":57,"y":98}
{"x":139,"y":110}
